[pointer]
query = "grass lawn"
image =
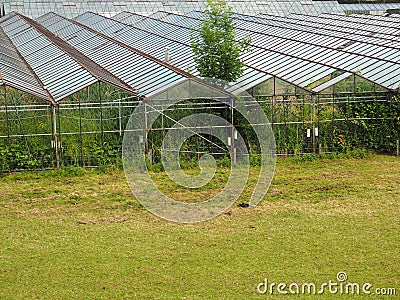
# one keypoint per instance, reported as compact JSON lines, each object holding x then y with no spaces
{"x":84,"y":236}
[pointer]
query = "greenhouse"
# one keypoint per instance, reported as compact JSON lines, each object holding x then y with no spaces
{"x":69,"y":84}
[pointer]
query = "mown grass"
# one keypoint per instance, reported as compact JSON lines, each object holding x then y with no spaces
{"x":84,"y":235}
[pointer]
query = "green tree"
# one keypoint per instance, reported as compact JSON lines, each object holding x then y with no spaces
{"x":216,"y":51}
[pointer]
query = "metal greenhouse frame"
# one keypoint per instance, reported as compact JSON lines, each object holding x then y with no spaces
{"x":65,"y":84}
{"x":307,"y":75}
{"x":69,"y":86}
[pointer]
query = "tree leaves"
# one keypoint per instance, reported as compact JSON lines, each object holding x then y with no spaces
{"x":216,"y":51}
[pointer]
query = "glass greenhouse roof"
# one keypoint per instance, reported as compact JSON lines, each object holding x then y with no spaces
{"x":304,"y":56}
{"x":53,"y":57}
{"x":60,"y":70}
{"x":72,"y":8}
{"x":138,"y":71}
{"x":369,"y":7}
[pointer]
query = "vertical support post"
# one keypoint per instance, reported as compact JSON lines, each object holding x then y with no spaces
{"x":397,"y":148}
{"x":54,"y":134}
{"x":196,"y":150}
{"x":316,"y":130}
{"x":285,"y":120}
{"x":355,"y":131}
{"x":391,"y":120}
{"x":7,"y":120}
{"x":312,"y":121}
{"x":59,"y":134}
{"x":347,"y":116}
{"x":273,"y":101}
{"x":148,"y":150}
{"x":80,"y":132}
{"x":211,"y":127}
{"x":120,"y":116}
{"x":101,"y":118}
{"x":233,"y":149}
{"x":162,"y":117}
{"x":146,"y":142}
{"x":303,"y":144}
{"x":333,"y":118}
{"x":273,"y":104}
{"x":7,"y":124}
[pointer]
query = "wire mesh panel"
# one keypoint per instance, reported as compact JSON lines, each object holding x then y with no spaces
{"x":84,"y":130}
{"x":25,"y":131}
{"x":91,"y":124}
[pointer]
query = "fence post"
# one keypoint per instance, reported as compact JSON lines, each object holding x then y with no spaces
{"x":398,"y":148}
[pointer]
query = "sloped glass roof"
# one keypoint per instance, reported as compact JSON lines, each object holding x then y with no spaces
{"x":369,"y":7}
{"x":382,"y":65}
{"x":141,"y":73}
{"x":298,"y":61}
{"x":60,"y":70}
{"x":15,"y":72}
{"x":53,"y":57}
{"x":72,"y":8}
{"x":61,"y":57}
